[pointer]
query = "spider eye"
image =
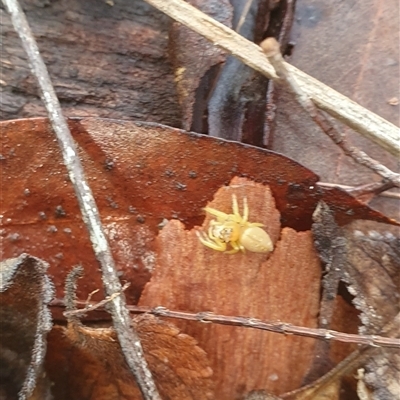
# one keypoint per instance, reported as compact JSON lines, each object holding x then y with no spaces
{"x":226,"y":234}
{"x":223,"y":233}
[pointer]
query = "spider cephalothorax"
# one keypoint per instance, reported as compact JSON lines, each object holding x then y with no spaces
{"x":235,"y":230}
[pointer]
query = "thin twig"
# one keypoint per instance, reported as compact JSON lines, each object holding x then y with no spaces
{"x":377,"y":188}
{"x":272,"y":51}
{"x":93,"y":306}
{"x":277,"y":327}
{"x":90,"y":296}
{"x":243,"y":15}
{"x":345,"y":367}
{"x":128,"y":338}
{"x":347,"y":111}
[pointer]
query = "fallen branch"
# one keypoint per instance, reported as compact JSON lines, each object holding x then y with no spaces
{"x":347,"y":111}
{"x":128,"y":338}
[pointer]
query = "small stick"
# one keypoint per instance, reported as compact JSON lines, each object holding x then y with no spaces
{"x":376,"y":188}
{"x":90,"y":307}
{"x":128,"y":338}
{"x":278,"y":327}
{"x":271,"y":49}
{"x":90,"y":297}
{"x":345,"y":367}
{"x":247,"y":322}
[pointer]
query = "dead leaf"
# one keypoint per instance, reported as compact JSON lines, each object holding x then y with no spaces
{"x":140,"y":174}
{"x":86,"y":363}
{"x":370,"y":266}
{"x":372,"y":272}
{"x":283,"y":285}
{"x":25,"y":291}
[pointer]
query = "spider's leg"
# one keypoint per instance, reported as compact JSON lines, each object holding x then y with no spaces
{"x":235,"y":208}
{"x":214,"y":244}
{"x":220,"y":246}
{"x":245,"y":210}
{"x":210,"y":230}
{"x":236,"y":248}
{"x":219,"y":214}
{"x":254,"y":224}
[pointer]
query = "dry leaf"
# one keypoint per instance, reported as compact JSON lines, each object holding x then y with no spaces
{"x":372,"y":271}
{"x":25,"y":291}
{"x":140,"y":174}
{"x":370,"y":265}
{"x":87,"y":363}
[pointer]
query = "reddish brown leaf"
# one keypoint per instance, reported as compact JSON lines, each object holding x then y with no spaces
{"x":140,"y":174}
{"x":282,"y":285}
{"x":87,"y":364}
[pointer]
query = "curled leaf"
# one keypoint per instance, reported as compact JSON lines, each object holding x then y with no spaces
{"x":25,"y":291}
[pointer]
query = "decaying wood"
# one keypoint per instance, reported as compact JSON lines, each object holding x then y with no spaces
{"x":104,"y":61}
{"x":282,"y":285}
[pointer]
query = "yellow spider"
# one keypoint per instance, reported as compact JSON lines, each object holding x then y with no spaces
{"x":235,"y":230}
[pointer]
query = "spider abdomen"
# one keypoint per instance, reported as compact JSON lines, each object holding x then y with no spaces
{"x":256,"y":240}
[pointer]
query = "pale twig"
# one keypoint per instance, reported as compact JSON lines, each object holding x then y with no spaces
{"x":128,"y":338}
{"x":271,"y":49}
{"x":277,"y":327}
{"x":347,"y":111}
{"x":91,"y":295}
